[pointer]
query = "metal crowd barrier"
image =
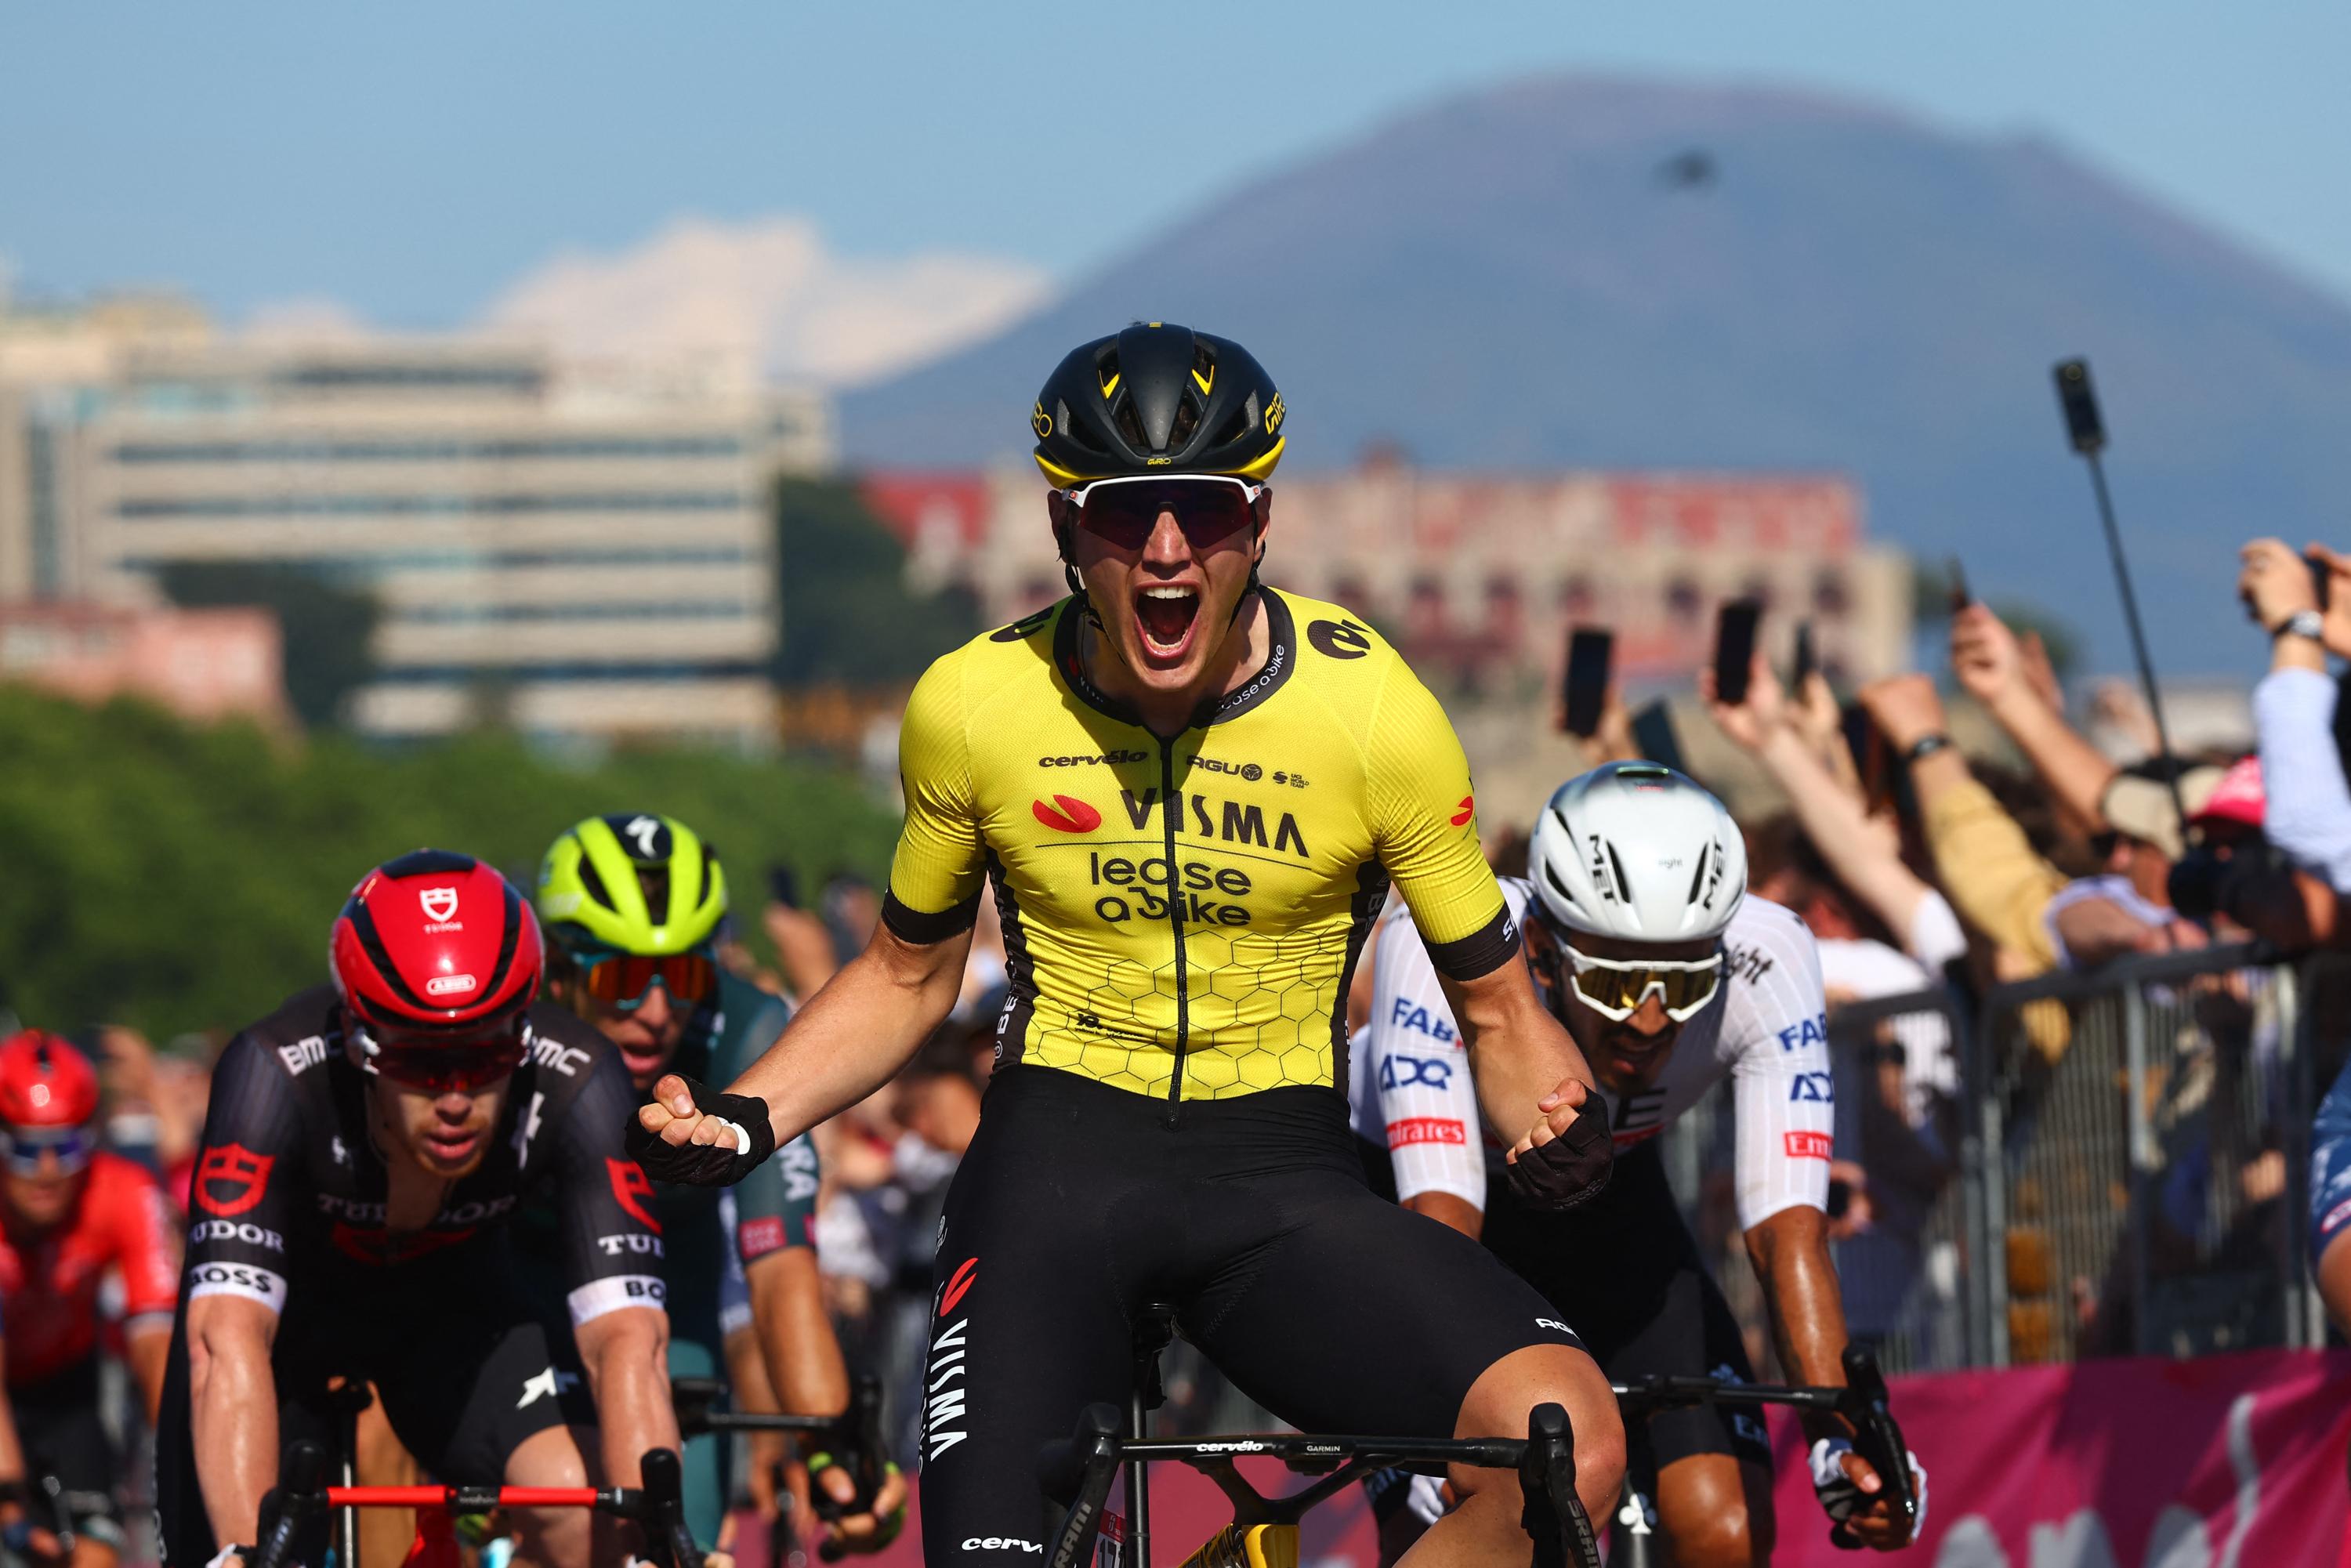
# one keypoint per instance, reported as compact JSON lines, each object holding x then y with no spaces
{"x":2094,"y":1163}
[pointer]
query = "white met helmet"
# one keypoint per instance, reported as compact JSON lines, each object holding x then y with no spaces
{"x":1637,"y":850}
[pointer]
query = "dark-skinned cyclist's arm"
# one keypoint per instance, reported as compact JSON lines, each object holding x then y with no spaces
{"x":232,"y":1410}
{"x":1790,"y":1251}
{"x":625,"y":1354}
{"x":1446,"y":1208}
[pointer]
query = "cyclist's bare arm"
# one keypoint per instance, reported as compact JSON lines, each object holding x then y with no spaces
{"x":232,"y":1410}
{"x":794,"y":1332}
{"x":148,"y":1350}
{"x":12,"y":1449}
{"x":626,"y":1357}
{"x":1520,"y":1055}
{"x":1790,"y":1251}
{"x":1448,"y":1209}
{"x":851,"y":1038}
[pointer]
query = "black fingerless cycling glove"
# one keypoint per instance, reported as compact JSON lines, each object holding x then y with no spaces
{"x":1572,"y":1168}
{"x":706,"y":1165}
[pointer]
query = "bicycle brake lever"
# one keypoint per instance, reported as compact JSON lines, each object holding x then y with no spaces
{"x":1876,"y":1437}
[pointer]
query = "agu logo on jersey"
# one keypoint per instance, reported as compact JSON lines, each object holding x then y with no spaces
{"x":1068,"y":814}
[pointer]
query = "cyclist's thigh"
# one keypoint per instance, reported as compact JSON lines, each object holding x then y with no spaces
{"x":1345,"y":1313}
{"x":465,"y":1392}
{"x":58,"y":1422}
{"x":704,"y":1458}
{"x":1027,"y":1324}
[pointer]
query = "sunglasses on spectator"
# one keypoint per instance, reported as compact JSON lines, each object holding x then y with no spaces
{"x":1617,"y":988}
{"x":442,"y":1064}
{"x":1209,"y":507}
{"x":623,"y":980}
{"x":22,"y":1147}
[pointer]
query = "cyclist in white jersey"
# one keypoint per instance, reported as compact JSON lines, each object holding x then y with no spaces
{"x":1671,"y":979}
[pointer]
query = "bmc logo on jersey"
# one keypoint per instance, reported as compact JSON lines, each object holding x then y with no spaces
{"x":1073,"y":816}
{"x":231,"y":1180}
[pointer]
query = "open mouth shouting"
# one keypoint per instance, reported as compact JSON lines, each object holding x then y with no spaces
{"x":1168,"y":617}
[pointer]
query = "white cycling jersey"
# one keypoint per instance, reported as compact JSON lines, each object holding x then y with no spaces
{"x":1766,"y":1029}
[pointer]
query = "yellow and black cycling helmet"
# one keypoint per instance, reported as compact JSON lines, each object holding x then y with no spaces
{"x":1157,"y":399}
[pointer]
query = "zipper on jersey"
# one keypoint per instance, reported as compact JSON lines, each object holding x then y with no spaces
{"x":1171,"y":807}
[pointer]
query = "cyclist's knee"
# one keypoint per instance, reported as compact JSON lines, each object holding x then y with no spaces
{"x":1725,"y":1541}
{"x":1504,"y":1394}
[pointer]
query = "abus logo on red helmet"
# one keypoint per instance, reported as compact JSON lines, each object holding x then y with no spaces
{"x":439,"y":903}
{"x":1075,"y":815}
{"x":403,"y":956}
{"x":451,"y":985}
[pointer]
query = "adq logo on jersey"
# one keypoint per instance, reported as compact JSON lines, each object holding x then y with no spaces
{"x":440,"y":904}
{"x":231,"y":1180}
{"x":1068,"y":814}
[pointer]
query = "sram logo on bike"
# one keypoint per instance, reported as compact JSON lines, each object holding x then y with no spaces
{"x":231,"y":1180}
{"x":1809,"y":1145}
{"x":1426,"y":1129}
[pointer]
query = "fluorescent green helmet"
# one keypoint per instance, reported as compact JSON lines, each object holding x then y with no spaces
{"x":635,"y":882}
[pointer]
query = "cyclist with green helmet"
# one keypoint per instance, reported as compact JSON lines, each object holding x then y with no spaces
{"x":632,"y":905}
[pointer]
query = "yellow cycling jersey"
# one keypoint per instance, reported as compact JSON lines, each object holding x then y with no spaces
{"x":1182,"y":916}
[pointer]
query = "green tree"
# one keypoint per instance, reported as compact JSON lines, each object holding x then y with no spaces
{"x":172,"y":876}
{"x":328,"y":629}
{"x":849,"y":616}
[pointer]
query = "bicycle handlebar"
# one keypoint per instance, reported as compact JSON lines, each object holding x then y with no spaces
{"x":1863,"y":1402}
{"x":302,"y":1494}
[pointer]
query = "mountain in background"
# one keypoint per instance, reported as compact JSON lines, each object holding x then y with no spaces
{"x":1594,"y":272}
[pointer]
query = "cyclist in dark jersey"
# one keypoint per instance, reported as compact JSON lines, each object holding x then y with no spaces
{"x":365,"y":1146}
{"x":1190,"y":793}
{"x":71,"y":1215}
{"x":632,"y":905}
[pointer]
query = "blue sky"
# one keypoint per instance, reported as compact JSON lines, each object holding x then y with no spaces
{"x":409,"y":160}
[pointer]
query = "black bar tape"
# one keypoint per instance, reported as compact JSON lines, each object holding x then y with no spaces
{"x":914,"y":926}
{"x":1573,"y":1168}
{"x":706,"y":1165}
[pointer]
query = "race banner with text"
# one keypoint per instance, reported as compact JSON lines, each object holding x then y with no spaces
{"x":2225,"y":1461}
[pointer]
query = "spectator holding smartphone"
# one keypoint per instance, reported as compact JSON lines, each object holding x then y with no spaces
{"x":2309,"y":816}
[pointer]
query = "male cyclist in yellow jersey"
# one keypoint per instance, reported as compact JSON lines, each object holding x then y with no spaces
{"x":1190,"y":793}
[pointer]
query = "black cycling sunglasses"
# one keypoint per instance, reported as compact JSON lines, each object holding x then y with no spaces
{"x":1209,"y":508}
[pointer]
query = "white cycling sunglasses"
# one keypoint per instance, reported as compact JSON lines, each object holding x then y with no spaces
{"x":1616,"y":988}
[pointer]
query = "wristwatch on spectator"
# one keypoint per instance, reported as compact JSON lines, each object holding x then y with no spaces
{"x":1923,"y":747}
{"x":2307,"y":623}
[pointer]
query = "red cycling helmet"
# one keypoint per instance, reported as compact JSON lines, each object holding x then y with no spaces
{"x":44,"y":1081}
{"x":436,"y":943}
